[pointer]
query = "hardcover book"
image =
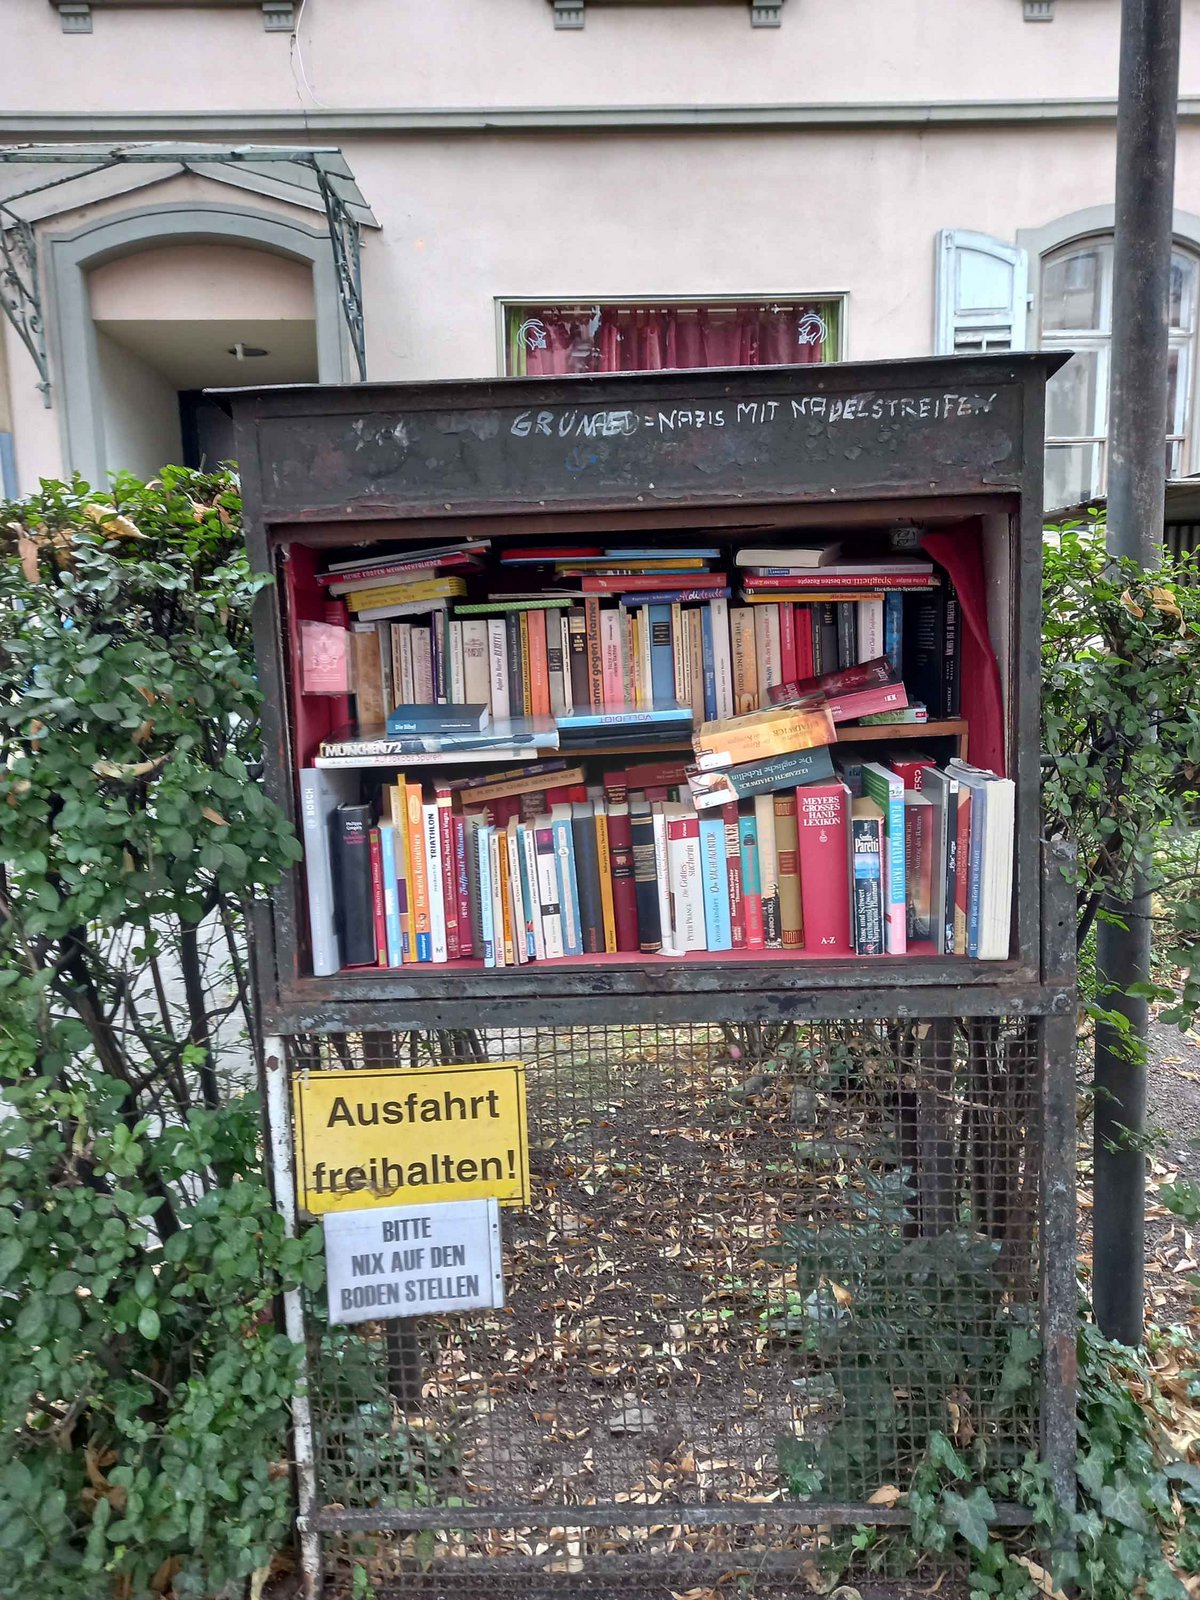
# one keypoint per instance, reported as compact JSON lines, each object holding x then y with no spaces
{"x":823,"y":829}
{"x":866,"y":829}
{"x":759,"y":777}
{"x":887,"y":790}
{"x":354,"y":897}
{"x":790,"y":920}
{"x":645,"y":878}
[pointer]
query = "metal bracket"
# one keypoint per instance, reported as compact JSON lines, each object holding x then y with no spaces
{"x":20,"y":291}
{"x":1039,"y":10}
{"x":346,"y":239}
{"x":572,"y":13}
{"x":75,"y":16}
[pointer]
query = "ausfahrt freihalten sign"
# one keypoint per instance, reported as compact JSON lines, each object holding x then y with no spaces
{"x":411,"y":1135}
{"x":413,"y":1261}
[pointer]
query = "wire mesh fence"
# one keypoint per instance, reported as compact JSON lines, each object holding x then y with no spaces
{"x":762,"y":1266}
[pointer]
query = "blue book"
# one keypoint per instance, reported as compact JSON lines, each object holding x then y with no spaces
{"x":893,"y":628}
{"x":391,"y":901}
{"x":487,"y":926}
{"x":670,"y":714}
{"x":710,"y":664}
{"x":673,"y":596}
{"x":433,"y":720}
{"x":529,"y":897}
{"x":568,"y":891}
{"x":662,"y":655}
{"x":886,"y":788}
{"x":975,"y":862}
{"x":714,"y":879}
{"x":748,"y":850}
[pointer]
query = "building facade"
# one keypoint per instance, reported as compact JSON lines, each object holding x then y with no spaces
{"x":208,"y":192}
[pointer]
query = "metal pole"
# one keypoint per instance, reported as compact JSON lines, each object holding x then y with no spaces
{"x":1148,"y":103}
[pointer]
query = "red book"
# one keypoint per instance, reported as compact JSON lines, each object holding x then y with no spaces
{"x":866,"y":675}
{"x":910,"y":766}
{"x":656,"y":775}
{"x":595,"y":653}
{"x":823,"y":580}
{"x":539,"y":666}
{"x":316,"y":716}
{"x":918,"y":864}
{"x":549,"y":552}
{"x":624,"y":887}
{"x":367,"y":577}
{"x":733,"y":871}
{"x":648,"y":582}
{"x":823,"y":829}
{"x":449,"y":885}
{"x":462,"y":887}
{"x":377,"y":898}
{"x":962,"y":880}
{"x":787,"y":643}
{"x":802,"y":629}
{"x":566,"y":794}
{"x":867,"y":702}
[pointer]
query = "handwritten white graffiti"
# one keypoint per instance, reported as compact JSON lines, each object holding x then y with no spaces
{"x":532,"y":333}
{"x":811,"y":329}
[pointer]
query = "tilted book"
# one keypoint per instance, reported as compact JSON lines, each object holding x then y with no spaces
{"x":759,"y":777}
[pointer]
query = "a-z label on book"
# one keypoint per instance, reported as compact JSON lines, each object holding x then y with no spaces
{"x":411,"y":1135}
{"x":413,"y":1261}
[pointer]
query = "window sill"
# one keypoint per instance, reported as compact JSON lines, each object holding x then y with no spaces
{"x":76,"y":15}
{"x":763,"y":13}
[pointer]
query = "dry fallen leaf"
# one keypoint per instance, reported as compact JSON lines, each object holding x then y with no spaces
{"x":885,"y":1496}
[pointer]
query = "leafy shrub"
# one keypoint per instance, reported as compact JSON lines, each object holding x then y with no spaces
{"x":143,"y":1387}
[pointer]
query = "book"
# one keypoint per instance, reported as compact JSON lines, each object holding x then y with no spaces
{"x":766,"y":649}
{"x":498,"y":691}
{"x":443,"y":799}
{"x":547,"y":887}
{"x":790,"y":557}
{"x":514,"y":733}
{"x":391,"y":906}
{"x":941,"y":790}
{"x":325,"y":663}
{"x":745,"y":662}
{"x":962,"y":871}
{"x":718,"y":609}
{"x":715,"y":884}
{"x":364,"y":601}
{"x":662,"y":878}
{"x":791,"y":926}
{"x":668,"y":717}
{"x":650,"y":582}
{"x":752,"y":901}
{"x":989,"y":895}
{"x":370,"y":568}
{"x":568,"y":900}
{"x":847,"y":625}
{"x":624,"y":882}
{"x":365,"y":654}
{"x":924,"y":635}
{"x":893,"y":629}
{"x":434,"y":721}
{"x":887,"y":790}
{"x":608,"y":915}
{"x":733,"y":877}
{"x":768,"y":871}
{"x":353,"y":893}
{"x":321,"y":793}
{"x":910,"y":766}
{"x":476,"y":679}
{"x":823,"y":846}
{"x":670,"y":596}
{"x":462,"y":886}
{"x":432,"y":838}
{"x":686,"y":878}
{"x":759,"y":777}
{"x":645,"y":880}
{"x":865,"y":675}
{"x":506,"y":955}
{"x":420,"y":915}
{"x":869,"y":629}
{"x":761,"y":734}
{"x":866,"y":832}
{"x":918,"y":863}
{"x":487,"y":917}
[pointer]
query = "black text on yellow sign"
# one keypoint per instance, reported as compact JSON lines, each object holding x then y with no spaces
{"x":411,"y":1134}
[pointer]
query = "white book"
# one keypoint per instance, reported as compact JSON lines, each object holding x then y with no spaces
{"x":404,"y":608}
{"x":516,"y":898}
{"x":767,"y":650}
{"x":722,"y":657}
{"x":475,"y":662}
{"x":989,"y":879}
{"x":320,"y":796}
{"x":560,"y":682}
{"x":686,"y":869}
{"x":458,"y":675}
{"x":768,"y":867}
{"x":645,"y":687}
{"x":870,"y":629}
{"x":422,"y":658}
{"x":547,"y":886}
{"x":662,"y":877}
{"x":528,"y":847}
{"x":433,"y":872}
{"x":498,"y":666}
{"x":494,"y":849}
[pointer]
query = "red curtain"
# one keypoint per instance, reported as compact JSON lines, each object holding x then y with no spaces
{"x":651,"y":338}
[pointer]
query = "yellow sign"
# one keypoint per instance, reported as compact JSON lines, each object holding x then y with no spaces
{"x":406,"y":1135}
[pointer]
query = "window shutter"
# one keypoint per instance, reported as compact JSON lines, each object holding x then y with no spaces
{"x":980,"y":299}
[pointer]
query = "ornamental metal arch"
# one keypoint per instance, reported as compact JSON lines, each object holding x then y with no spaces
{"x":317,"y":179}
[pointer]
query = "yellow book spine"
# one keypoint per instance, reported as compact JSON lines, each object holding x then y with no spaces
{"x":604,"y":861}
{"x":398,"y":807}
{"x":765,"y":740}
{"x":510,"y":955}
{"x":398,"y":593}
{"x":414,"y":845}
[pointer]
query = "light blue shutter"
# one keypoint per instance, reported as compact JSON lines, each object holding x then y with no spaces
{"x":981,"y":294}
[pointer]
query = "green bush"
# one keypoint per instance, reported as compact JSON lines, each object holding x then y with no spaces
{"x":143,"y":1386}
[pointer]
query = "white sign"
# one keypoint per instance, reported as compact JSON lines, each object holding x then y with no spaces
{"x":413,"y":1261}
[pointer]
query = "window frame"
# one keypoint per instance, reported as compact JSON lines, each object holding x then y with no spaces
{"x":502,"y":304}
{"x":1082,"y":340}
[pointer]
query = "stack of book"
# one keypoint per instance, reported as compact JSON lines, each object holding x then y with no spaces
{"x":629,"y":638}
{"x":896,"y":856}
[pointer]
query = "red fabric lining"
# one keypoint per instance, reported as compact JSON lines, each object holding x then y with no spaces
{"x":959,"y":550}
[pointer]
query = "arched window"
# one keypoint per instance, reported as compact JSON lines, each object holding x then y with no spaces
{"x":1076,"y":314}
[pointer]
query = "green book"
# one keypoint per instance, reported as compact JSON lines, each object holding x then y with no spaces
{"x":478,"y":608}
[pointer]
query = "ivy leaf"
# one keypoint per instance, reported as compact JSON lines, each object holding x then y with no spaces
{"x":1120,"y":1501}
{"x":148,"y":1322}
{"x":969,"y":1515}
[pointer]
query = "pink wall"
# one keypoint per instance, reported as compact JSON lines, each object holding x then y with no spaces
{"x":197,"y":281}
{"x":507,"y":52}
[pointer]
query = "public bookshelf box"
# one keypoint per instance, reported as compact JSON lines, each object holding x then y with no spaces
{"x":950,"y":445}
